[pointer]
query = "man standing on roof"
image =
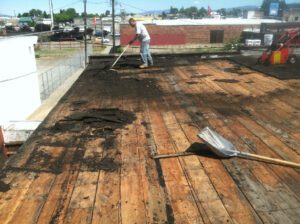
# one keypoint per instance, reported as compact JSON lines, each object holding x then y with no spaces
{"x":143,"y":36}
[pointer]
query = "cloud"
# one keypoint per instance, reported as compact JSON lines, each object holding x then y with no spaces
{"x":196,"y":2}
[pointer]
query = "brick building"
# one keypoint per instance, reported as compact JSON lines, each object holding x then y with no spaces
{"x":193,"y":32}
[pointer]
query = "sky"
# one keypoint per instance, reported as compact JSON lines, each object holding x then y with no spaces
{"x":12,"y":7}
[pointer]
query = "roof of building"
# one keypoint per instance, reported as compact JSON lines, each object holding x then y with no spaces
{"x":293,"y":7}
{"x":207,"y":21}
{"x":25,"y":19}
{"x":90,"y":160}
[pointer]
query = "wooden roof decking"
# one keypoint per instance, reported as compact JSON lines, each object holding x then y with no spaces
{"x":89,"y":162}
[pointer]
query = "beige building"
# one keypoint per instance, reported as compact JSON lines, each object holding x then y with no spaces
{"x":254,"y":14}
{"x":291,"y":15}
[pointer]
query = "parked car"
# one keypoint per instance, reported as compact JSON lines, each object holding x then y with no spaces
{"x":66,"y":36}
{"x":116,"y":34}
{"x":42,"y":27}
{"x":99,"y":40}
{"x":100,"y":33}
{"x":25,"y":28}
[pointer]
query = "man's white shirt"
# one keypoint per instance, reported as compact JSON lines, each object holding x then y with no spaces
{"x":142,"y":31}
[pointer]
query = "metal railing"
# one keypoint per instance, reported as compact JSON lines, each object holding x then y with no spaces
{"x":53,"y":78}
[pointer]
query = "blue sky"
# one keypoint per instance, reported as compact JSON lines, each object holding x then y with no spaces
{"x":10,"y":7}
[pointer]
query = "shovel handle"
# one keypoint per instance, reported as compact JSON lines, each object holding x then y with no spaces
{"x":120,"y":56}
{"x":165,"y":156}
{"x":268,"y":159}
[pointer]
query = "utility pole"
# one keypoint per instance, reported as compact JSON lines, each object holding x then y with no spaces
{"x":113,"y":25}
{"x":51,"y":14}
{"x":85,"y":40}
{"x":102,"y":34}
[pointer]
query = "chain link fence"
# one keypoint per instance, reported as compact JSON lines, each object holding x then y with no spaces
{"x":53,"y":78}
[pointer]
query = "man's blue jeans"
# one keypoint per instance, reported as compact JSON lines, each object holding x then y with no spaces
{"x":145,"y":52}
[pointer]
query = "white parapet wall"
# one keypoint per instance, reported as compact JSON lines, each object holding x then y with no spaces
{"x":19,"y":89}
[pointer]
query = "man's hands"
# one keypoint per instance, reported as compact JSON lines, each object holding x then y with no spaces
{"x":130,"y":42}
{"x":134,"y":39}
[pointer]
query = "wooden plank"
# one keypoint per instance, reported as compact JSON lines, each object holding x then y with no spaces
{"x":286,"y":176}
{"x":266,"y":104}
{"x":266,"y":124}
{"x":107,"y":199}
{"x":154,"y":195}
{"x":275,"y":217}
{"x":58,"y":200}
{"x":234,"y":201}
{"x":293,"y":214}
{"x":184,"y":207}
{"x":209,"y":200}
{"x":33,"y":201}
{"x":46,"y":159}
{"x":82,"y":201}
{"x":19,"y":184}
{"x":223,"y":101}
{"x":132,"y":192}
{"x":107,"y":207}
{"x":282,"y":202}
{"x":273,"y":142}
{"x":233,"y":194}
{"x":291,"y":198}
{"x":284,"y":134}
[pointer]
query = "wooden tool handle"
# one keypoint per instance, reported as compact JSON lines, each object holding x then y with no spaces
{"x":165,"y":156}
{"x":268,"y":159}
{"x":120,"y":56}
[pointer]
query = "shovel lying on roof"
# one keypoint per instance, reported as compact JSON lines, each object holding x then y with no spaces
{"x":225,"y":149}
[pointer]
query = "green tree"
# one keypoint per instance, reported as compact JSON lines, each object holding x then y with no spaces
{"x":45,"y":15}
{"x":25,"y":14}
{"x":222,"y":12}
{"x":191,"y":11}
{"x":71,"y":13}
{"x":90,"y":15}
{"x":235,"y":12}
{"x":266,"y":6}
{"x":182,"y":10}
{"x":35,"y":13}
{"x":32,"y":23}
{"x":202,"y":12}
{"x":67,"y":15}
{"x":163,"y":15}
{"x":173,"y":10}
{"x":107,"y":13}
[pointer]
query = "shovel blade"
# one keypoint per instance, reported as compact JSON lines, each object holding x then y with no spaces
{"x":217,"y":143}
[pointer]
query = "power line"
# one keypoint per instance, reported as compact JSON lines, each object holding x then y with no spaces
{"x":71,"y":4}
{"x":97,"y":3}
{"x":143,"y":10}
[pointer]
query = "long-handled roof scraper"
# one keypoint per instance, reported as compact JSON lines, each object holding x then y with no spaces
{"x":116,"y":61}
{"x":225,"y":149}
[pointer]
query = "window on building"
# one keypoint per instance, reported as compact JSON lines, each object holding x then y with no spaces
{"x":216,"y":36}
{"x":296,"y":18}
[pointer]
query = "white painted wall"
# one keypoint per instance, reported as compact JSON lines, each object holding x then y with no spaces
{"x":19,"y":91}
{"x":251,"y":15}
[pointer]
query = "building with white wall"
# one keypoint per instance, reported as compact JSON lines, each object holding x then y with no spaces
{"x":19,"y":89}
